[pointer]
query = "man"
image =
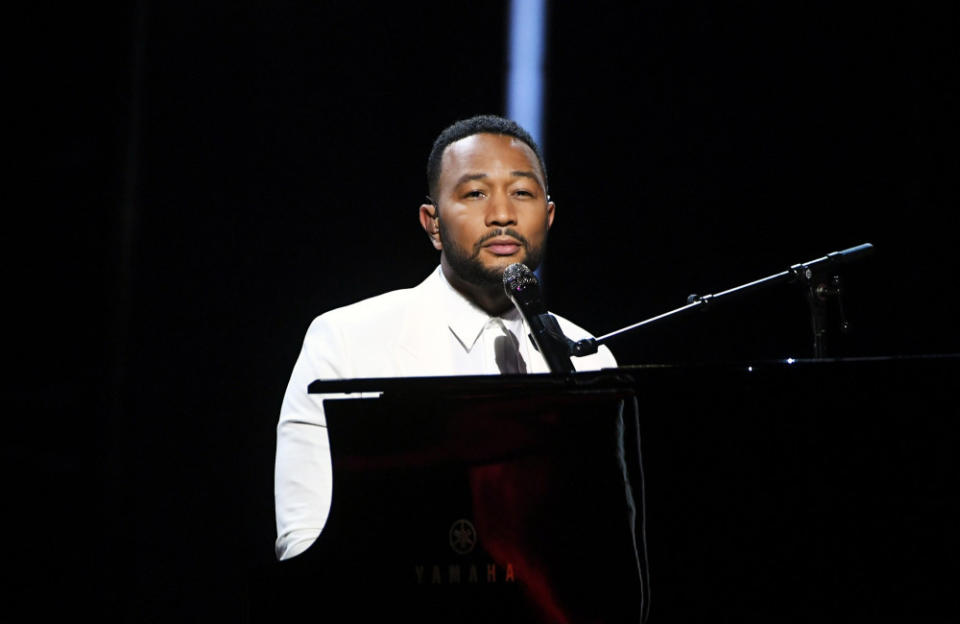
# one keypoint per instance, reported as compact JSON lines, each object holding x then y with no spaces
{"x":489,"y":209}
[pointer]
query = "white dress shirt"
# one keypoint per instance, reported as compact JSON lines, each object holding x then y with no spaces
{"x":488,"y":345}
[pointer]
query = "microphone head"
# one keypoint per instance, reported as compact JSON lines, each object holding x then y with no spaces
{"x":523,"y":288}
{"x":517,"y":279}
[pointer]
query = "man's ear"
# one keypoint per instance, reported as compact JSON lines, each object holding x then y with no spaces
{"x":551,"y":212}
{"x":430,"y":223}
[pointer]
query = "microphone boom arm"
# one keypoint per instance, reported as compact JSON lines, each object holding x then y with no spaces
{"x":804,"y":271}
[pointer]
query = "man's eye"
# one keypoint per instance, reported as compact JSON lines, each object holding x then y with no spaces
{"x":474,"y":194}
{"x":524,"y":192}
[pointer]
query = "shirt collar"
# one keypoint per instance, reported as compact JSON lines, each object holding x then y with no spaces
{"x":466,"y":320}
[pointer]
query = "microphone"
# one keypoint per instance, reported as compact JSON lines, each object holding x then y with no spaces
{"x":523,"y":289}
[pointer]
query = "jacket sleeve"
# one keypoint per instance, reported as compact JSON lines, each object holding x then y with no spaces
{"x":303,"y":479}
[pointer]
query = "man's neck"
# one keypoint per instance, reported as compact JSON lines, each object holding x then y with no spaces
{"x":492,"y":300}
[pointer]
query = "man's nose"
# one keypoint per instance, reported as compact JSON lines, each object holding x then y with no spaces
{"x":500,"y":211}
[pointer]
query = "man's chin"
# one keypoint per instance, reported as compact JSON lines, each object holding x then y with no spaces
{"x":488,"y":272}
{"x":495,"y":270}
{"x":484,"y":275}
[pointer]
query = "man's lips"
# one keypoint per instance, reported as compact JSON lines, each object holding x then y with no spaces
{"x":503,"y":246}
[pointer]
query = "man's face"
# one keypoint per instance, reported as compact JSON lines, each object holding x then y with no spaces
{"x":493,"y":208}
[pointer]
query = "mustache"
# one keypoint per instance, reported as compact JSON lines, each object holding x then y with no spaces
{"x":500,"y":232}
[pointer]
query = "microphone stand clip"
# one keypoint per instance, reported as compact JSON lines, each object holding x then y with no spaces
{"x":824,"y":292}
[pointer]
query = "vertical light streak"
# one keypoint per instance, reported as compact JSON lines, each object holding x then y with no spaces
{"x":526,"y":56}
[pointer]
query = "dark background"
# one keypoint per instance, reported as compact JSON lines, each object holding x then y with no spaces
{"x":193,"y":183}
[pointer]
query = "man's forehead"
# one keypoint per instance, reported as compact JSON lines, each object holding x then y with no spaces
{"x":481,"y":150}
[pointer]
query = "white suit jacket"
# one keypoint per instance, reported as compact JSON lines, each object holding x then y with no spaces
{"x":403,"y":333}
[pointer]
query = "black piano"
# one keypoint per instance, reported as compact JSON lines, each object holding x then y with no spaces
{"x":786,"y":491}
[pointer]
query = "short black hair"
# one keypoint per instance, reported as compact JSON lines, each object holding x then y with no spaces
{"x":479,"y":124}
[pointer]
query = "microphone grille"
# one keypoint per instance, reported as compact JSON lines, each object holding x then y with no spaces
{"x":518,"y":279}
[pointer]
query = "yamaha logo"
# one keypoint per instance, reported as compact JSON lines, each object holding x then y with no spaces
{"x":463,"y":537}
{"x":463,"y":540}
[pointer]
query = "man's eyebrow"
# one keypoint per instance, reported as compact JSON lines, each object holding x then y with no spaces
{"x":527,"y":174}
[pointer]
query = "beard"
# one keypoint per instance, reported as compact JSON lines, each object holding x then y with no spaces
{"x":466,"y":263}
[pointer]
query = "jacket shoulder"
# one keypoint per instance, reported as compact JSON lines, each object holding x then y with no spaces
{"x":367,"y":313}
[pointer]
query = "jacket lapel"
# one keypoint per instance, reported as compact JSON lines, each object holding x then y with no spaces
{"x":422,"y":347}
